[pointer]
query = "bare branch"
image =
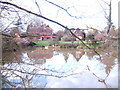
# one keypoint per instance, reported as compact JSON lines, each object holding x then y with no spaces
{"x":4,"y":31}
{"x":108,"y":17}
{"x":105,"y":2}
{"x":63,"y":9}
{"x":31,"y":73}
{"x":38,"y":7}
{"x":33,"y":13}
{"x":99,"y":79}
{"x":6,"y":35}
{"x":109,"y":20}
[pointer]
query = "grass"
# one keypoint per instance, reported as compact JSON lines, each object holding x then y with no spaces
{"x":42,"y":43}
{"x":79,"y":42}
{"x":92,"y":47}
{"x":47,"y":43}
{"x":75,"y":42}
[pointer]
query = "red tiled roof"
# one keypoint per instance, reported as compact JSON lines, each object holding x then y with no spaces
{"x":40,"y":30}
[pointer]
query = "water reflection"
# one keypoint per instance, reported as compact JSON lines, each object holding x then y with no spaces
{"x":40,"y":54}
{"x":70,"y":68}
{"x":11,"y":57}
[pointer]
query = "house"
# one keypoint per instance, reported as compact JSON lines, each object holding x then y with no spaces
{"x":79,"y":34}
{"x":100,"y":37}
{"x":43,"y":32}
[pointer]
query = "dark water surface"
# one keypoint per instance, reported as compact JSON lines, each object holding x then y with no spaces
{"x":60,"y":68}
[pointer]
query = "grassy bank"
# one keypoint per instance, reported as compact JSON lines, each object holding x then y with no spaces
{"x":64,"y":44}
{"x":79,"y":42}
{"x":42,"y":43}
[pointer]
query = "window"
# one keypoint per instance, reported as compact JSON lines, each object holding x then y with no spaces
{"x":38,"y":37}
{"x":42,"y":30}
{"x":31,"y":37}
{"x":37,"y":34}
{"x":47,"y":37}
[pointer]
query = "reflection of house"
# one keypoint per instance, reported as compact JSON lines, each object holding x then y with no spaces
{"x":78,"y":55}
{"x":40,"y":54}
{"x":43,"y":32}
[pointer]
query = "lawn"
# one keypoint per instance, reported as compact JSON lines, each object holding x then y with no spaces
{"x":47,"y":43}
{"x":75,"y":42}
{"x":79,"y":42}
{"x":42,"y":43}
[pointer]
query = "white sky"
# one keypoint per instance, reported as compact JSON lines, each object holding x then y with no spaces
{"x":90,"y":10}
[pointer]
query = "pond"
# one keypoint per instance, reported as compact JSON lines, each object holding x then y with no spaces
{"x":59,"y":68}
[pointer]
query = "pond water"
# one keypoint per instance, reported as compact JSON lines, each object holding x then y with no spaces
{"x":59,"y":68}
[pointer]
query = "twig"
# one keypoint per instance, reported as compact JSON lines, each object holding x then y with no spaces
{"x":58,"y":76}
{"x":38,"y":7}
{"x":99,"y":79}
{"x":63,"y":9}
{"x":8,"y":26}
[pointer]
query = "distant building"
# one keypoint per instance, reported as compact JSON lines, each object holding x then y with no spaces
{"x":43,"y":32}
{"x":79,"y":34}
{"x":100,"y":37}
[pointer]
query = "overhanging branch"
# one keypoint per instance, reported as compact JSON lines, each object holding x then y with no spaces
{"x":8,"y":3}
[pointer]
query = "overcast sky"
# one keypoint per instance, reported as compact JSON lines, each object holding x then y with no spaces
{"x":89,"y":11}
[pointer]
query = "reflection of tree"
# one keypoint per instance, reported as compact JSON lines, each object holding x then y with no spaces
{"x":11,"y":57}
{"x":109,"y":62}
{"x":108,"y":69}
{"x":107,"y":59}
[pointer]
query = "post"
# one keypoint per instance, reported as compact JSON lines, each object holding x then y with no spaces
{"x":0,"y":60}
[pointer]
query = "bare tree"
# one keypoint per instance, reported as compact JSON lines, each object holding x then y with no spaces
{"x":107,"y":14}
